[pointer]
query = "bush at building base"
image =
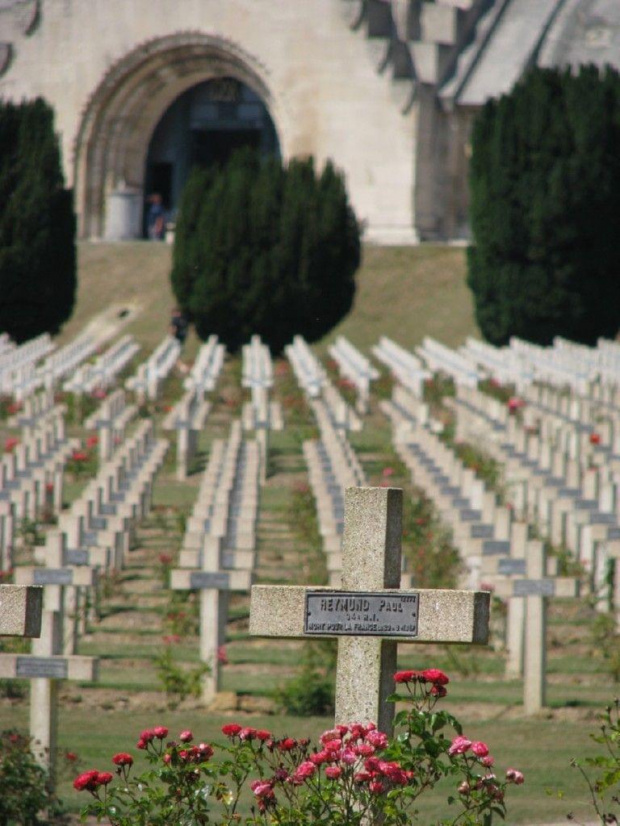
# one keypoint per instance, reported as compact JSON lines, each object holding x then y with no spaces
{"x":545,"y":200}
{"x":265,"y":249}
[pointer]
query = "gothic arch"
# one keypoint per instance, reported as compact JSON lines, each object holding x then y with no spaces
{"x":122,"y":113}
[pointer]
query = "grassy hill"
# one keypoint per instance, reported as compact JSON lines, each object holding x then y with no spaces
{"x":403,"y":292}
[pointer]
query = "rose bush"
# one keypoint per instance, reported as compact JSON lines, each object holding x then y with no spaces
{"x":355,"y":774}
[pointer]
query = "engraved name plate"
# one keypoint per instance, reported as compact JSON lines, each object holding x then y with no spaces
{"x":511,"y":566}
{"x":52,"y":576}
{"x":493,"y":547}
{"x":77,"y":557}
{"x":207,"y":579}
{"x":28,"y":667}
{"x":534,"y":588}
{"x":357,"y":613}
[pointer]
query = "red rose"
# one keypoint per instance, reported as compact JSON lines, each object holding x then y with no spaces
{"x":122,"y":759}
{"x":186,"y":736}
{"x":405,"y":676}
{"x":87,"y":781}
{"x":434,"y":675}
{"x":160,"y":732}
{"x":320,"y":757}
{"x":103,"y":778}
{"x":480,"y":749}
{"x":231,"y":729}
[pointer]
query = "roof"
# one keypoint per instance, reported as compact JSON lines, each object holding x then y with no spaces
{"x":584,"y":31}
{"x":510,"y":46}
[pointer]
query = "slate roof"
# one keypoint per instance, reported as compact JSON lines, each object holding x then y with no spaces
{"x":585,"y":31}
{"x":520,"y":33}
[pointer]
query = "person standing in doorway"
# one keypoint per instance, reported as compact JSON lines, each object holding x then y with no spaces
{"x":156,"y":218}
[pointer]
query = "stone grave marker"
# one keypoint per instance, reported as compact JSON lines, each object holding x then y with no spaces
{"x":369,"y":615}
{"x":214,"y":587}
{"x":533,"y":591}
{"x":43,"y":668}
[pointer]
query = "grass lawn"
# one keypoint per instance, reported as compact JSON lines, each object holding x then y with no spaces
{"x":542,"y":748}
{"x":405,"y":293}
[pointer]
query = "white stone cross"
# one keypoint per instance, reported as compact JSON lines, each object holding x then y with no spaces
{"x":370,"y":615}
{"x":214,"y":587}
{"x":534,"y":589}
{"x":44,"y":668}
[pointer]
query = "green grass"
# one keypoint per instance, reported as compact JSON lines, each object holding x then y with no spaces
{"x":541,"y":747}
{"x":403,"y":292}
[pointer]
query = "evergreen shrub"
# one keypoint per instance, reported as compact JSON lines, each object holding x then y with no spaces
{"x":265,"y":249}
{"x":37,"y":224}
{"x":545,"y":200}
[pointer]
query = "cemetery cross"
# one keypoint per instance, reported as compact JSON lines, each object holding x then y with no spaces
{"x":370,"y":614}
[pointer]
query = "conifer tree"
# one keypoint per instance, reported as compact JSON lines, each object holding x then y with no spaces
{"x":263,"y":249}
{"x":37,"y":224}
{"x":545,"y":200}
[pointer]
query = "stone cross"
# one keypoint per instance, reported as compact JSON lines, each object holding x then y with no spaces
{"x":214,"y":587}
{"x":533,"y":590}
{"x":44,"y":668}
{"x":369,"y":615}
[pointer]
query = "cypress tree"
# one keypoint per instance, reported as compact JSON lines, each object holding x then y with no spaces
{"x":545,"y":193}
{"x":37,"y":224}
{"x":265,"y":249}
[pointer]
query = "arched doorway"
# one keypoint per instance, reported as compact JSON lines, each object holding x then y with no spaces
{"x":203,"y":127}
{"x":130,"y":115}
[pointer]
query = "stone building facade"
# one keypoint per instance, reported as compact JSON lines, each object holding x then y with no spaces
{"x":142,"y":89}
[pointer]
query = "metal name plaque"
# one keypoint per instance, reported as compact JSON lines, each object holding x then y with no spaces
{"x":206,"y":579}
{"x":52,"y":576}
{"x":77,"y":557}
{"x":29,"y":667}
{"x":511,"y":566}
{"x":534,"y":588}
{"x":360,"y":614}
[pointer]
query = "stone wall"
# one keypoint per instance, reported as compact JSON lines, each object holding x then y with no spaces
{"x":111,"y":68}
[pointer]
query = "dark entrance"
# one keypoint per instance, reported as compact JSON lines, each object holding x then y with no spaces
{"x":203,"y":127}
{"x":216,"y":146}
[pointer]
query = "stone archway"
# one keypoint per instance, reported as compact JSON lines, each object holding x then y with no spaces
{"x":120,"y":118}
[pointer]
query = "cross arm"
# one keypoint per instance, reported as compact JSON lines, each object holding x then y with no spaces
{"x":27,"y":666}
{"x":183,"y":580}
{"x":442,"y":615}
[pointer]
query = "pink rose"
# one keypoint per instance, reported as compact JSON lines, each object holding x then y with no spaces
{"x":304,"y":770}
{"x":515,"y":777}
{"x":459,"y":746}
{"x":377,"y":739}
